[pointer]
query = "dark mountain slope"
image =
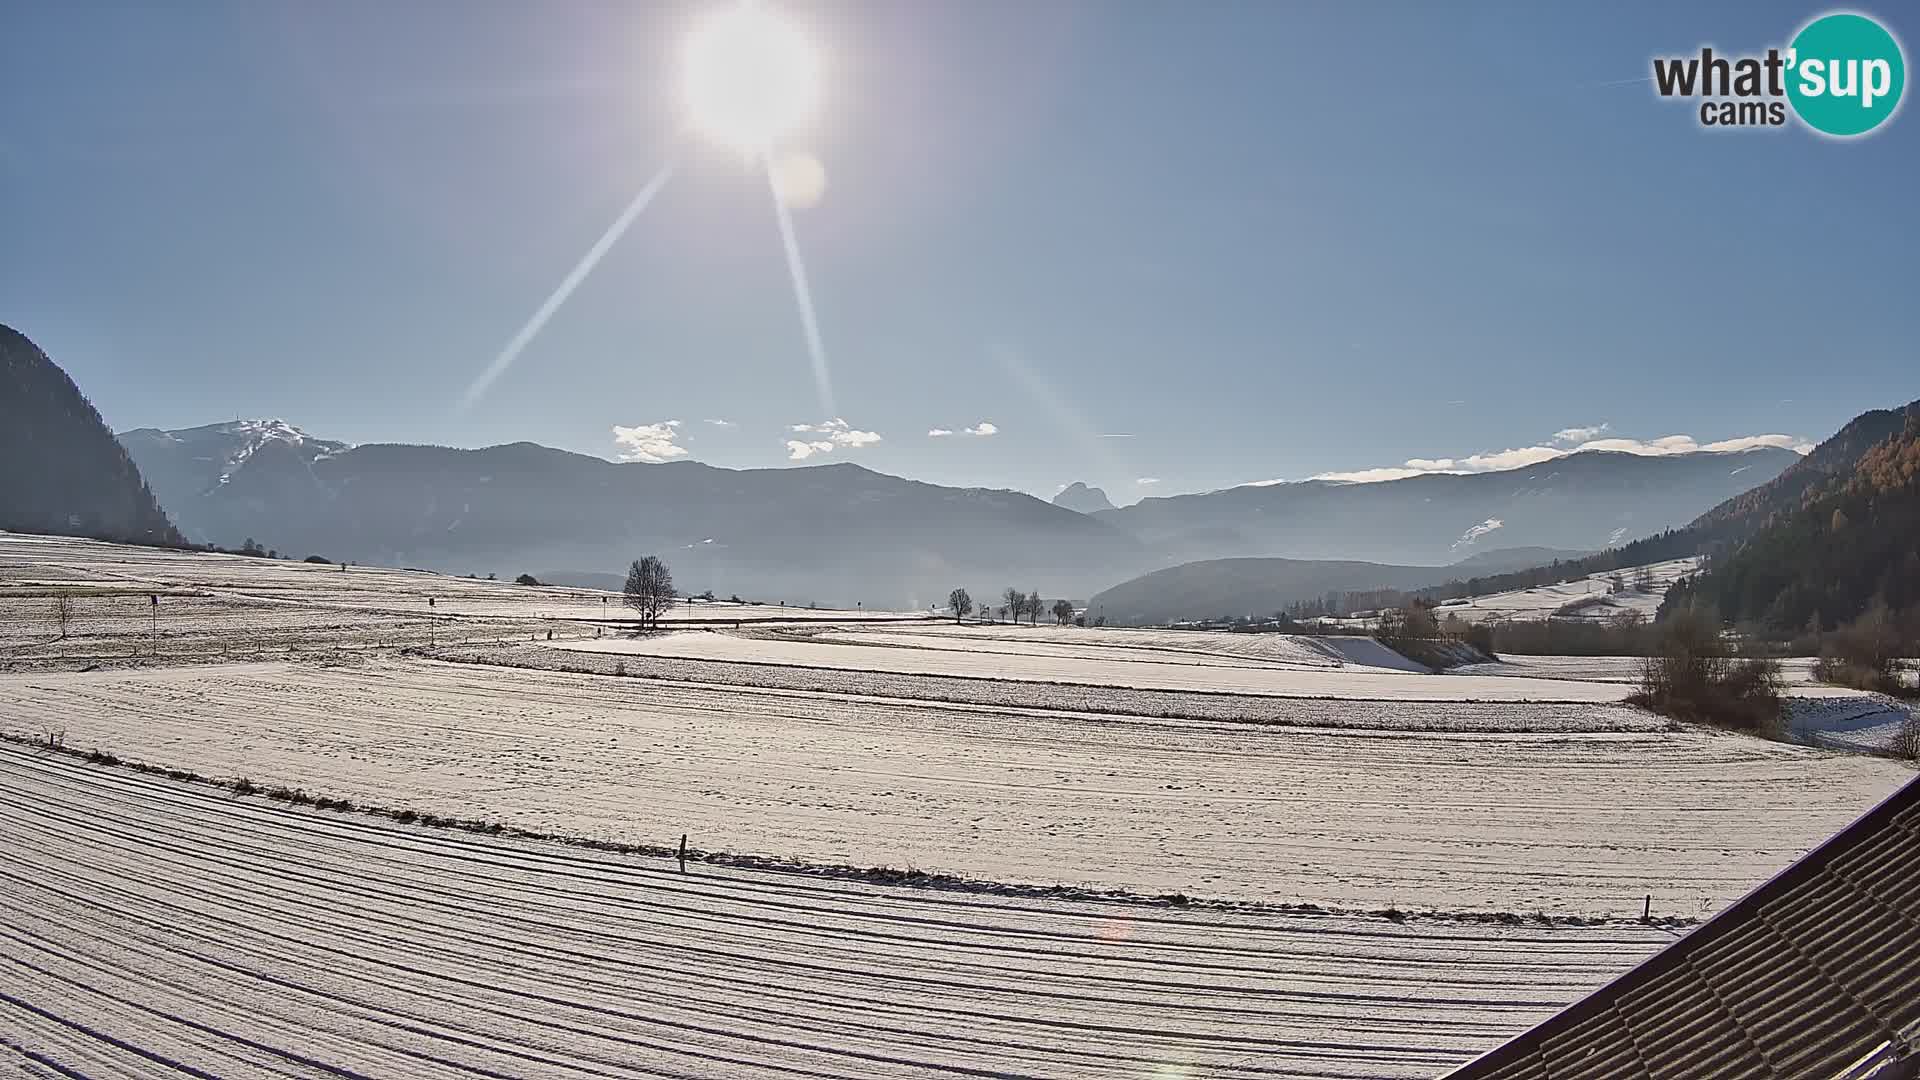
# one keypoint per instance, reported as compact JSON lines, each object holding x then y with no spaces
{"x":63,"y":472}
{"x":1828,"y":547}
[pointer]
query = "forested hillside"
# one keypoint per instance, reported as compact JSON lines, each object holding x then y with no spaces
{"x":1852,"y":543}
{"x":61,"y":470}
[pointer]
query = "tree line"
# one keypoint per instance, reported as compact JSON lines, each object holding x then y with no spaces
{"x":1015,"y":605}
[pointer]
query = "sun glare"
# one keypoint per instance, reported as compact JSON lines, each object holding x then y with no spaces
{"x":751,"y":77}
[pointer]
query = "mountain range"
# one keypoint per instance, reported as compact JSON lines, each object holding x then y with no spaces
{"x":843,"y":534}
{"x":831,"y":534}
{"x":1584,"y":501}
{"x":1817,"y":541}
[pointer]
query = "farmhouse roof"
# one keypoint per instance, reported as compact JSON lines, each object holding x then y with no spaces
{"x":1814,"y":974}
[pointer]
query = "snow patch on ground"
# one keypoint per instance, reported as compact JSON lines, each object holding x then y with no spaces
{"x":1544,"y":601}
{"x":1849,"y":720}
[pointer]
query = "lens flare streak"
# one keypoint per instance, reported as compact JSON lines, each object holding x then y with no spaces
{"x":571,"y":282}
{"x":816,"y":352}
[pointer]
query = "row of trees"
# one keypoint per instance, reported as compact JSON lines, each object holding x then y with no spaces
{"x":1015,"y":605}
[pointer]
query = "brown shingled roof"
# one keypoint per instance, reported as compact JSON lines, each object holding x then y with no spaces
{"x":1814,"y":974}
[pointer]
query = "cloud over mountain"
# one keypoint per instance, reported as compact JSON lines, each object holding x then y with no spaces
{"x":830,"y":434}
{"x":652,"y":443}
{"x":1520,"y":457}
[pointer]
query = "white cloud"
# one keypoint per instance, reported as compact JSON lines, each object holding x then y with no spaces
{"x":801,"y":451}
{"x":1582,"y":434}
{"x":838,"y":433}
{"x":1523,"y":456}
{"x":649,"y":442}
{"x":723,"y":423}
{"x":1116,"y":434}
{"x":1147,"y":481}
{"x":979,"y":431}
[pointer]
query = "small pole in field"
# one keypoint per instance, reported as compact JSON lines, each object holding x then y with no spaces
{"x":1646,"y":914}
{"x":683,"y":853}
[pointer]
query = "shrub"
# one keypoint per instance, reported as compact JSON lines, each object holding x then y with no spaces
{"x":1864,"y":654}
{"x":1480,"y":636}
{"x":1692,"y":676}
{"x":1906,"y":741}
{"x":526,"y":579}
{"x":321,"y":559}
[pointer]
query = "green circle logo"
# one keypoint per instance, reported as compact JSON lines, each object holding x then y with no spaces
{"x":1845,"y":74}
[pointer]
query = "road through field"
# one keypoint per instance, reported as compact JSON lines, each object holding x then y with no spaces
{"x":151,"y":928}
{"x":1566,"y":821}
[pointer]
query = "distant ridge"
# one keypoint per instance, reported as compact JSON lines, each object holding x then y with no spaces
{"x":1080,"y":498}
{"x":1585,"y":501}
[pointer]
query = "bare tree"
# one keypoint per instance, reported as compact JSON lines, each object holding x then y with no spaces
{"x":1033,"y":606}
{"x":1016,"y":603}
{"x":1062,"y":611}
{"x":649,"y":590}
{"x":62,"y":612}
{"x":960,"y":604}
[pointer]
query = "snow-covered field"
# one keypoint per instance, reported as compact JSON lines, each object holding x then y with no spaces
{"x":1568,"y":821}
{"x":1794,"y":671}
{"x":150,"y":926}
{"x":1376,"y":714}
{"x":1003,"y":652}
{"x":1594,"y":591}
{"x":159,"y":928}
{"x":30,"y":564}
{"x":1190,"y":648}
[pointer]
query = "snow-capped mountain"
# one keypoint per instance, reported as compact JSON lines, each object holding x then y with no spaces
{"x":183,"y":466}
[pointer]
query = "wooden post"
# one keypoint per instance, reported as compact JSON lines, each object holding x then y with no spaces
{"x":1646,"y":914}
{"x":683,"y":853}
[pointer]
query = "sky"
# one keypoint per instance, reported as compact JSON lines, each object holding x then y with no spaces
{"x":1153,"y":247}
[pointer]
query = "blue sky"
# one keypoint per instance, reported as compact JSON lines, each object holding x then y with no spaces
{"x":1260,"y":240}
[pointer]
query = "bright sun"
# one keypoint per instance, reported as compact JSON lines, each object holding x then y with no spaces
{"x":750,"y":78}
